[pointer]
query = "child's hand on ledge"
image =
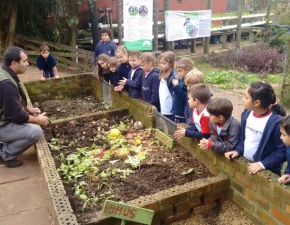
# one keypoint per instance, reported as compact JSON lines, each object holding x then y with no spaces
{"x":122,"y":82}
{"x":119,"y":88}
{"x":254,"y":167}
{"x":232,"y":154}
{"x":284,"y":179}
{"x":203,"y":144}
{"x":57,"y":77}
{"x":42,"y":78}
{"x":179,"y":133}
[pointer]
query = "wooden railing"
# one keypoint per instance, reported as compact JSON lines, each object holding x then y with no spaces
{"x":63,"y":53}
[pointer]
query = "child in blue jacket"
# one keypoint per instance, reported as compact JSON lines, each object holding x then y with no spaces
{"x":105,"y":46}
{"x":150,"y":80}
{"x":135,"y":76}
{"x":285,"y":136}
{"x":198,"y":96}
{"x":183,"y":67}
{"x":122,"y":55}
{"x":46,"y":64}
{"x":259,"y":139}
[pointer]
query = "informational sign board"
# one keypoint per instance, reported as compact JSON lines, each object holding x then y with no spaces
{"x":181,"y":25}
{"x":128,"y":212}
{"x":138,"y":28}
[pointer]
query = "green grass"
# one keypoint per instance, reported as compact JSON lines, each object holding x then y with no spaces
{"x":206,"y":67}
{"x":230,"y":79}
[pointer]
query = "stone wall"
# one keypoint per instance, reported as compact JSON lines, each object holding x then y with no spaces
{"x":262,"y":198}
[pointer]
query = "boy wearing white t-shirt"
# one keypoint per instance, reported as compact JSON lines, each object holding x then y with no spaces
{"x":198,"y":96}
{"x":224,"y":129}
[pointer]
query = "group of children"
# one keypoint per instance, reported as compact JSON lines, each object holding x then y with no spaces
{"x":177,"y":90}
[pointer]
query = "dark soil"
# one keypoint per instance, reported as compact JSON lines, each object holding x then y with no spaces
{"x":161,"y":170}
{"x":69,"y":107}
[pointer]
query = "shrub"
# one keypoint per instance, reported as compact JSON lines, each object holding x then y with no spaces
{"x":261,"y":59}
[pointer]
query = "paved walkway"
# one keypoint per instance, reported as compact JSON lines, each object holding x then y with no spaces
{"x":23,"y":196}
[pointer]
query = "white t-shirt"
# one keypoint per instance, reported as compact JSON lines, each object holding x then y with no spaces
{"x":219,"y":128}
{"x":201,"y":120}
{"x":132,"y":73}
{"x":165,"y":98}
{"x":255,"y":126}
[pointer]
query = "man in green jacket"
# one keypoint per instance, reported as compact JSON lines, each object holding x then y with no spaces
{"x":19,"y":124}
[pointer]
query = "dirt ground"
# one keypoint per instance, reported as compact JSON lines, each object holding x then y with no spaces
{"x":227,"y":212}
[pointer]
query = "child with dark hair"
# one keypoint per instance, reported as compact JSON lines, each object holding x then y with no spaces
{"x":103,"y":69}
{"x":224,"y":129}
{"x":46,"y":64}
{"x":166,"y":75}
{"x":150,"y":80}
{"x":285,"y":136}
{"x":198,"y":97}
{"x":134,"y":80}
{"x":259,"y":139}
{"x":105,"y":46}
{"x":113,"y":65}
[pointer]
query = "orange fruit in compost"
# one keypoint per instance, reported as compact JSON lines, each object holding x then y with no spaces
{"x":114,"y":133}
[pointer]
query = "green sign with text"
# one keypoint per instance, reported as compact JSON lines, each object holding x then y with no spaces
{"x":128,"y":212}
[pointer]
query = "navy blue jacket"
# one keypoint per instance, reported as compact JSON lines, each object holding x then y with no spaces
{"x":123,"y":70}
{"x":45,"y":64}
{"x":150,"y":88}
{"x":188,"y":113}
{"x":107,"y":48}
{"x":113,"y":77}
{"x":271,"y":151}
{"x":193,"y":132}
{"x":287,"y":170}
{"x":180,"y":99}
{"x":135,"y":85}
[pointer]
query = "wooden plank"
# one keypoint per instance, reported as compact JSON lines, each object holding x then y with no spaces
{"x":128,"y":212}
{"x":40,"y":42}
{"x":166,"y":140}
{"x":83,"y":56}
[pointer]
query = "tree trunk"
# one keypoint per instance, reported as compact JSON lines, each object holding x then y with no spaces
{"x":12,"y":25}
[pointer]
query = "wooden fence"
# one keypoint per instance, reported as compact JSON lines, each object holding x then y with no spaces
{"x":63,"y":53}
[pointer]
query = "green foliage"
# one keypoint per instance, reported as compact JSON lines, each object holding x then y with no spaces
{"x":233,"y":79}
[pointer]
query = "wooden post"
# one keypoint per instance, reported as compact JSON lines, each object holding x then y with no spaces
{"x":239,"y":25}
{"x":207,"y":39}
{"x":167,"y":7}
{"x":267,"y":30}
{"x":12,"y":24}
{"x":224,"y":45}
{"x":225,"y":36}
{"x":193,"y":45}
{"x":119,"y":18}
{"x":155,"y":24}
{"x":251,"y":36}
